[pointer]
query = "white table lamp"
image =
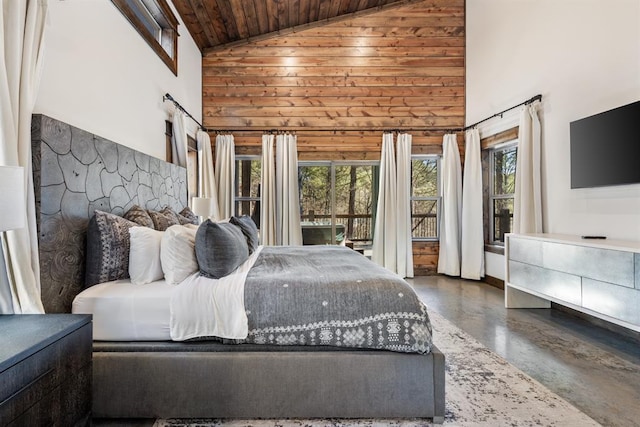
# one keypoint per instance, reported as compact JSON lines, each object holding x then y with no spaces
{"x":12,"y":198}
{"x":205,"y":207}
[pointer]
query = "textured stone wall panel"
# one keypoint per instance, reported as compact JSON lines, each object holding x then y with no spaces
{"x":76,"y":173}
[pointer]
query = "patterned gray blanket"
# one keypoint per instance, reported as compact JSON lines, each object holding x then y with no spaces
{"x":332,"y":295}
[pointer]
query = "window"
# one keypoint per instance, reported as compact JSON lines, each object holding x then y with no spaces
{"x":157,"y":24}
{"x":425,"y":197}
{"x":247,"y":183}
{"x":338,"y":201}
{"x":502,"y":178}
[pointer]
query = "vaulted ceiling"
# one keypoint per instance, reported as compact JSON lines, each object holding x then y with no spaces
{"x":219,"y":23}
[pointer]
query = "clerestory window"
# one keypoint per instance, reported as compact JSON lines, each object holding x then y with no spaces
{"x":158,"y":26}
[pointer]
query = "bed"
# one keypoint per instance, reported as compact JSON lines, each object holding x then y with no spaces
{"x":140,"y":372}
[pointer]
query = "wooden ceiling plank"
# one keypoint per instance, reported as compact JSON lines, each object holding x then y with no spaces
{"x":262,"y":15}
{"x":228,"y":20}
{"x":283,"y":14}
{"x":251,"y":18}
{"x":294,"y":13}
{"x":237,"y":14}
{"x":205,"y":21}
{"x":314,"y":10}
{"x":323,"y":12}
{"x":272,"y":15}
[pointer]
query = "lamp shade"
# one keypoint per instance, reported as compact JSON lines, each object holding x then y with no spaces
{"x":12,"y":198}
{"x":205,"y":207}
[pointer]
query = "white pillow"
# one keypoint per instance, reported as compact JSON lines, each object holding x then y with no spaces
{"x":144,"y":255}
{"x":178,"y":253}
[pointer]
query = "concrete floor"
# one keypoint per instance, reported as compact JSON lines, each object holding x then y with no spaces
{"x":595,"y":369}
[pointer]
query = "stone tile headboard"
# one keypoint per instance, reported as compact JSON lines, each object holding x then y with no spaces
{"x":75,"y":173}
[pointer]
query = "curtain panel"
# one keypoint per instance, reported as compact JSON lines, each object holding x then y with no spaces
{"x":472,"y":244}
{"x":289,"y":231}
{"x":451,"y":191}
{"x":385,"y":240}
{"x":268,"y":192}
{"x":206,"y":173}
{"x":225,"y":172}
{"x":405,"y":244}
{"x":22,"y":26}
{"x":179,"y":139}
{"x":527,"y":205}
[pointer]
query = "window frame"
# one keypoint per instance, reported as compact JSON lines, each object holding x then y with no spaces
{"x":169,"y":28}
{"x":492,"y":197}
{"x":239,"y":199}
{"x":437,"y":198}
{"x":332,"y":164}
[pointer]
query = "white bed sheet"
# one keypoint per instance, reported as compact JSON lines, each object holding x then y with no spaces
{"x":123,"y":311}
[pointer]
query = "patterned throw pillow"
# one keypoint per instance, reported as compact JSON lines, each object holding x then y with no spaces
{"x":107,"y":248}
{"x":186,"y":216}
{"x":164,"y":219}
{"x":220,"y":248}
{"x":249,"y":230}
{"x":140,"y":216}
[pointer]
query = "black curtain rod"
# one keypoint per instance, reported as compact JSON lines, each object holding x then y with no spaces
{"x":274,"y":131}
{"x":527,"y":102}
{"x":181,"y":108}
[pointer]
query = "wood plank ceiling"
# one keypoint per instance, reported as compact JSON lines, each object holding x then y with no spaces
{"x":217,"y":23}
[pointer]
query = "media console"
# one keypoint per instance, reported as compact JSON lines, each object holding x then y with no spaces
{"x":597,"y":277}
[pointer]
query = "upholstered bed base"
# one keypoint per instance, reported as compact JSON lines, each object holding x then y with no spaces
{"x":207,"y":380}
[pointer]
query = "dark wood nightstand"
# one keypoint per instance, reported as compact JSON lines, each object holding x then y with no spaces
{"x":45,"y":370}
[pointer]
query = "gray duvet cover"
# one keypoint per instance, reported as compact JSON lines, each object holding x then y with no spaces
{"x":334,"y":296}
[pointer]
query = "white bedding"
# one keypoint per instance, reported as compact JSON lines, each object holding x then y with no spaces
{"x":203,"y":307}
{"x":159,"y":311}
{"x":123,"y":311}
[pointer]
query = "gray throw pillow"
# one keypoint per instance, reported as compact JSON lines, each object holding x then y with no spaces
{"x":107,"y":248}
{"x":220,"y":248}
{"x":249,"y":230}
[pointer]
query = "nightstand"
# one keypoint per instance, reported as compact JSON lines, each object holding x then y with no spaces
{"x":45,"y":370}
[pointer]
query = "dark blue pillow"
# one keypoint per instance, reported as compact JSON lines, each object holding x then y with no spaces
{"x":249,"y":230}
{"x":220,"y":248}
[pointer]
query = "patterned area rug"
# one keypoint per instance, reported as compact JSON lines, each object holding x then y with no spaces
{"x":482,"y":389}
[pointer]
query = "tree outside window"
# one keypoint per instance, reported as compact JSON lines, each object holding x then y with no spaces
{"x":425,"y":197}
{"x":247,"y":187}
{"x":502,"y":189}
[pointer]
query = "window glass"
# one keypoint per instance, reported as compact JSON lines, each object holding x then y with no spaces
{"x":158,"y":26}
{"x":425,"y":197}
{"x":503,"y":179}
{"x":337,"y":202}
{"x":354,"y":202}
{"x":247,"y":187}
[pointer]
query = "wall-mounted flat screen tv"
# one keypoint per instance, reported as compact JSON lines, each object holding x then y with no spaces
{"x":605,"y":148}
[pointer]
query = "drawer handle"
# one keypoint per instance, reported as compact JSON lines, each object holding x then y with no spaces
{"x":26,"y":386}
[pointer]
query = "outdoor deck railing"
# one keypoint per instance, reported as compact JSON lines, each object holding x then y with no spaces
{"x":359,"y":226}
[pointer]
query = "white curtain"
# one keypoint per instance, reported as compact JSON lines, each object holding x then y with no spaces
{"x":289,"y":231}
{"x":451,"y":212}
{"x":385,"y":240}
{"x":22,"y":24}
{"x":527,"y":206}
{"x":179,"y":139}
{"x":472,"y":247}
{"x":405,"y":247}
{"x":268,"y":192}
{"x":225,"y":174}
{"x":206,"y":175}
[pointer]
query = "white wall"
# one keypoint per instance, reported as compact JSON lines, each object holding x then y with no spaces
{"x":101,"y":76}
{"x":583,"y":56}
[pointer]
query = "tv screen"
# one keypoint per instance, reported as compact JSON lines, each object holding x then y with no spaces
{"x":605,"y":148}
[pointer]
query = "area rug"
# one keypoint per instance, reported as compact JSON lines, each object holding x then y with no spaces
{"x":482,"y":389}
